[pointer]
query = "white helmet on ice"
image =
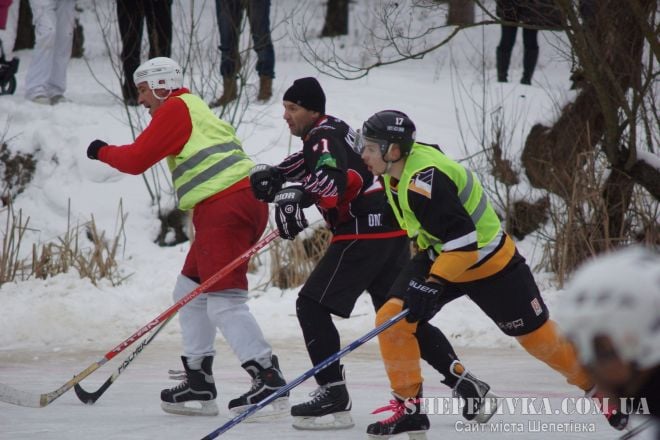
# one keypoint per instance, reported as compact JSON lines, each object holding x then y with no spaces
{"x":617,"y":296}
{"x":160,"y":73}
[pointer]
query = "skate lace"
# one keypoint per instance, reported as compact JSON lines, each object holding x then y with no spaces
{"x":396,"y":406}
{"x":256,"y":385}
{"x":182,"y":386}
{"x":318,"y":394}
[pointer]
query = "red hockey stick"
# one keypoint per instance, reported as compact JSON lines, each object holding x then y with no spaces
{"x":23,"y":398}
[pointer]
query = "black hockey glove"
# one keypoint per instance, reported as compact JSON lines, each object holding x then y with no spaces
{"x":266,"y":181}
{"x":422,"y":299}
{"x":94,"y":147}
{"x":289,"y":214}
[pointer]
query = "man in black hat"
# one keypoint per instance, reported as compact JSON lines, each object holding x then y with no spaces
{"x":367,"y":250}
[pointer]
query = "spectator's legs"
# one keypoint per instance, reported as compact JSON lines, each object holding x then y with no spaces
{"x":259,"y":16}
{"x":229,"y":22}
{"x":41,"y":68}
{"x":65,"y":13}
{"x":530,"y":55}
{"x":130,"y":14}
{"x":504,"y":50}
{"x":229,"y":14}
{"x":159,"y":27}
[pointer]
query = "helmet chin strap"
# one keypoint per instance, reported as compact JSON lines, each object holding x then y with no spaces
{"x":388,"y":163}
{"x":161,"y":98}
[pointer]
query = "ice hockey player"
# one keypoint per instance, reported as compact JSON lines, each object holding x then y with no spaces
{"x":210,"y":173}
{"x":330,"y":174}
{"x":611,"y":313}
{"x":444,"y":207}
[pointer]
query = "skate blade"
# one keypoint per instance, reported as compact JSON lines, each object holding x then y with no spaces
{"x":488,"y":408}
{"x":339,"y":420}
{"x":193,"y":408}
{"x":277,"y":409}
{"x":412,"y":435}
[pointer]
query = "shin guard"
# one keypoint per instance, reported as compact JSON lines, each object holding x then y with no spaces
{"x":546,"y":344}
{"x":400,"y":351}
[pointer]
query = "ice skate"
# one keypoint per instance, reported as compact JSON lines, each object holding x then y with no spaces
{"x":407,"y":419}
{"x":265,"y":381}
{"x":617,"y":419}
{"x":480,"y":403}
{"x":195,"y":396}
{"x":329,"y":409}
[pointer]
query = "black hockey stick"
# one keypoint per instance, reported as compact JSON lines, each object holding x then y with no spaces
{"x":636,"y":430}
{"x":306,"y":375}
{"x":90,"y":398}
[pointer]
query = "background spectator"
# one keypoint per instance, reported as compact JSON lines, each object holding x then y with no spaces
{"x":53,"y":32}
{"x":131,"y":15}
{"x":516,"y":11}
{"x":230,"y":15}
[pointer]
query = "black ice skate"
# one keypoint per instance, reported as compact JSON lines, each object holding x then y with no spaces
{"x":615,"y":417}
{"x":479,"y":403}
{"x":195,"y":396}
{"x":408,"y":418}
{"x":265,"y":381}
{"x":331,"y":399}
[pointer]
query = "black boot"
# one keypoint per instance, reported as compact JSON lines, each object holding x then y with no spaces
{"x":408,"y":418}
{"x":265,"y":381}
{"x":198,"y":386}
{"x":479,"y":404}
{"x":503,"y":58}
{"x":329,"y":399}
{"x":530,"y":57}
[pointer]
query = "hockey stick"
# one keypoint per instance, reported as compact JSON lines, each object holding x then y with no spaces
{"x":633,"y":432}
{"x":306,"y":375}
{"x":23,"y":398}
{"x":91,"y":398}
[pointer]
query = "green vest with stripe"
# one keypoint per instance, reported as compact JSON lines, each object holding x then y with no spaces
{"x":212,"y":160}
{"x":470,"y":193}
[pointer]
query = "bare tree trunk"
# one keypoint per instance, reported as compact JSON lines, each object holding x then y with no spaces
{"x":460,"y":12}
{"x":602,"y":116}
{"x":336,"y":19}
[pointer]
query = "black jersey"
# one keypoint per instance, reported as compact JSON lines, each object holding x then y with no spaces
{"x":350,"y":198}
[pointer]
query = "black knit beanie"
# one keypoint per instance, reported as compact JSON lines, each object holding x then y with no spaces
{"x":307,"y":92}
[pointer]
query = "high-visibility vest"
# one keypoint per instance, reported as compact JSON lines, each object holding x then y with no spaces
{"x":470,"y":193}
{"x":212,"y":159}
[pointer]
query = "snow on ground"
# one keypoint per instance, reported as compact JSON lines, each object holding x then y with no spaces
{"x":51,"y":329}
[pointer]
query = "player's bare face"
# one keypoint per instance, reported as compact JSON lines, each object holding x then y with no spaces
{"x":298,"y":118}
{"x":372,"y":157}
{"x":148,"y":98}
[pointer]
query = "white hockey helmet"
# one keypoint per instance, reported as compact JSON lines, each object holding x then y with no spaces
{"x":160,"y":73}
{"x":617,"y":296}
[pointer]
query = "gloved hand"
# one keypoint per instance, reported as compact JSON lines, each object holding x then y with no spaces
{"x":265,"y":181}
{"x":289,"y":216}
{"x":94,"y":147}
{"x":422,"y":299}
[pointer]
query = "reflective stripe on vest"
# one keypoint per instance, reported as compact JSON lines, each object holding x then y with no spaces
{"x":470,"y":194}
{"x":212,"y":159}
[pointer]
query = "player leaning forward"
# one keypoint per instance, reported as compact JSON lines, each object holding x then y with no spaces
{"x":366,"y":252}
{"x":465,"y":251}
{"x":209,"y":170}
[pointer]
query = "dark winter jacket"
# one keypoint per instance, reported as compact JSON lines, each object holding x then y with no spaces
{"x":542,"y":13}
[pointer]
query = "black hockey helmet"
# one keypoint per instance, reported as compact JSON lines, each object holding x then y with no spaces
{"x":390,"y":127}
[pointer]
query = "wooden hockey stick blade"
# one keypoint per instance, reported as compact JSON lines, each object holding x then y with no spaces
{"x":24,"y":398}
